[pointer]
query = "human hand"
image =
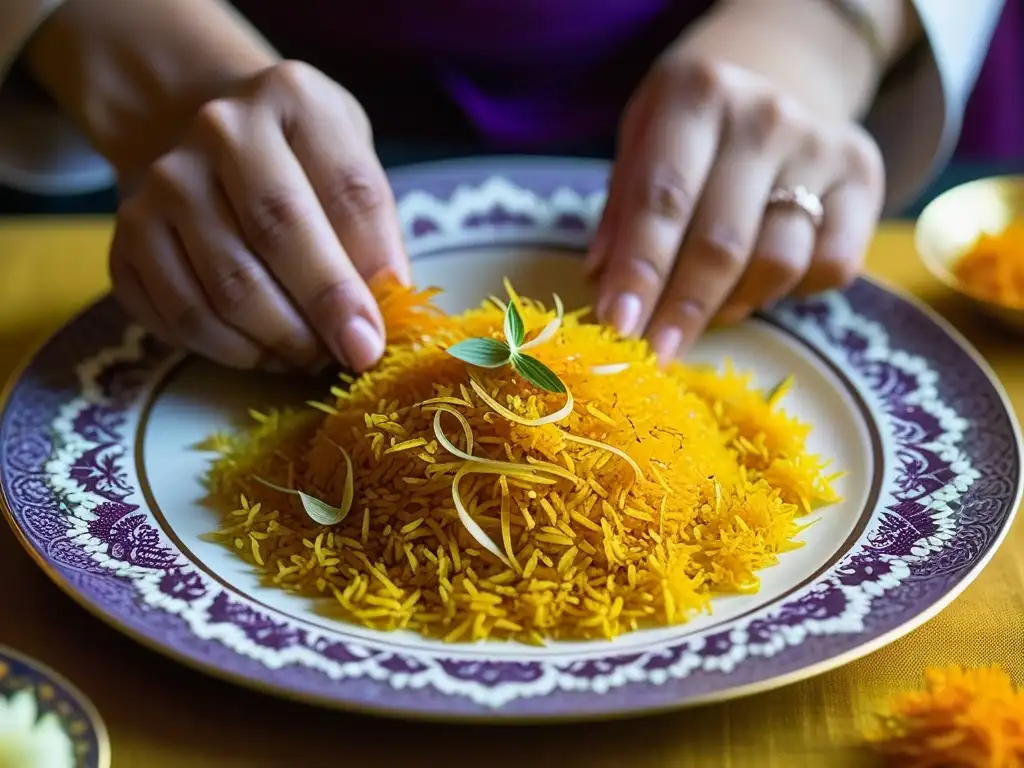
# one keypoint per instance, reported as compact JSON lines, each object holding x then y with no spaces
{"x":689,"y":234}
{"x":252,"y":242}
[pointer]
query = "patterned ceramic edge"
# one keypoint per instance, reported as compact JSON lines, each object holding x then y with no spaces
{"x":952,"y":492}
{"x":55,"y":700}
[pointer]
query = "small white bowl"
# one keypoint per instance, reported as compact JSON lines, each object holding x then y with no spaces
{"x":952,"y":222}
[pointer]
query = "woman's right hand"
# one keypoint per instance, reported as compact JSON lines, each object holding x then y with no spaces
{"x":252,"y":242}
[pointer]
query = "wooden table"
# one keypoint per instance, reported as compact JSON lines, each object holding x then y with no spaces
{"x":161,"y":715}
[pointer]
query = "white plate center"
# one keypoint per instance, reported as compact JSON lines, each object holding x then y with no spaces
{"x":200,"y":399}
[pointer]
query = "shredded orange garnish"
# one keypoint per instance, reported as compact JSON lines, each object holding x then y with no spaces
{"x":410,"y":314}
{"x":993,"y":268}
{"x":969,"y":718}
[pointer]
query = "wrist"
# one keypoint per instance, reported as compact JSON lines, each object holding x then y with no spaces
{"x":806,"y":47}
{"x":133,"y":75}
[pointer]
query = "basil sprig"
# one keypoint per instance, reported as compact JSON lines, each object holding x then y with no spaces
{"x":492,"y":353}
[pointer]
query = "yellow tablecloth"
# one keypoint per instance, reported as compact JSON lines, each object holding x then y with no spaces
{"x":161,"y":715}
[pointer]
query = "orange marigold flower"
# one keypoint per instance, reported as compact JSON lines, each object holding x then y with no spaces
{"x":964,"y":718}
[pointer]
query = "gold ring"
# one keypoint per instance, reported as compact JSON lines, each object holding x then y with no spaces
{"x":800,"y":197}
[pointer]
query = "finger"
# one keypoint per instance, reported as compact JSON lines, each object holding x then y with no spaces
{"x":285,"y":225}
{"x":850,"y":215}
{"x":167,"y":277}
{"x":597,"y":253}
{"x":782,"y":253}
{"x":237,"y":285}
{"x":130,"y":293}
{"x":716,"y":248}
{"x":611,"y":214}
{"x":851,"y":211}
{"x":663,"y":164}
{"x":351,"y":184}
{"x":780,"y":259}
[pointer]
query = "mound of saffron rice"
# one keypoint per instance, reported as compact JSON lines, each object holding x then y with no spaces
{"x":969,"y":718}
{"x":475,"y":505}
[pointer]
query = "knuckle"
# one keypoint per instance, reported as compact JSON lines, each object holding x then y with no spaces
{"x":769,"y":118}
{"x":215,"y":118}
{"x":721,"y":249}
{"x":693,"y":83}
{"x":689,"y":309}
{"x":273,"y":216}
{"x":234,"y":290}
{"x":672,"y":83}
{"x":669,"y":196}
{"x":651,"y":271}
{"x":815,"y":147}
{"x":332,"y":295}
{"x":355,"y":192}
{"x":289,"y":75}
{"x":168,"y":183}
{"x":701,"y":81}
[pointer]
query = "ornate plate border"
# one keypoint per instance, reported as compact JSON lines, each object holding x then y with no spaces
{"x":952,"y":442}
{"x":55,"y":695}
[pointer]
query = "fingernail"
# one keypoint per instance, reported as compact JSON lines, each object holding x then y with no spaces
{"x":360,"y":343}
{"x":666,"y":344}
{"x":624,"y":315}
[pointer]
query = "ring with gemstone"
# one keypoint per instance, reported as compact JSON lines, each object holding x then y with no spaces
{"x":802,"y":198}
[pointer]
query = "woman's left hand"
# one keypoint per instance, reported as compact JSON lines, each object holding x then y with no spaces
{"x":691,"y":234}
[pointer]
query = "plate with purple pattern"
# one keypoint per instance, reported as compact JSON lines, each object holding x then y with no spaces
{"x":45,"y":721}
{"x":102,"y":482}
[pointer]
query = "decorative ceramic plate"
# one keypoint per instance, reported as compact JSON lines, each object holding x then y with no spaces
{"x":45,"y":721}
{"x":102,"y":482}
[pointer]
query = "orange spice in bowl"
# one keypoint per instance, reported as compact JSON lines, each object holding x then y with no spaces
{"x":971,"y":239}
{"x":993,"y":267}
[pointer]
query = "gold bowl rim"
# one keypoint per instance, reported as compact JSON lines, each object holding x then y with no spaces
{"x":937,"y":268}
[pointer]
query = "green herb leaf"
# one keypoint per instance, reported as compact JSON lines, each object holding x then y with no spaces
{"x":538,"y":374}
{"x":485,"y":353}
{"x":319,"y":512}
{"x":515,"y":329}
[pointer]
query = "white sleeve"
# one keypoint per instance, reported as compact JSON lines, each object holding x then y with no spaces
{"x":41,"y":151}
{"x":917,"y":116}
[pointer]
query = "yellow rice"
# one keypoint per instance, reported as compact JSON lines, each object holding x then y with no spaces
{"x":679,"y":485}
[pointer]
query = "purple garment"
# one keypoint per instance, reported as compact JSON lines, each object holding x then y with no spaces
{"x":548,"y":74}
{"x":993,"y":128}
{"x":514,"y":74}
